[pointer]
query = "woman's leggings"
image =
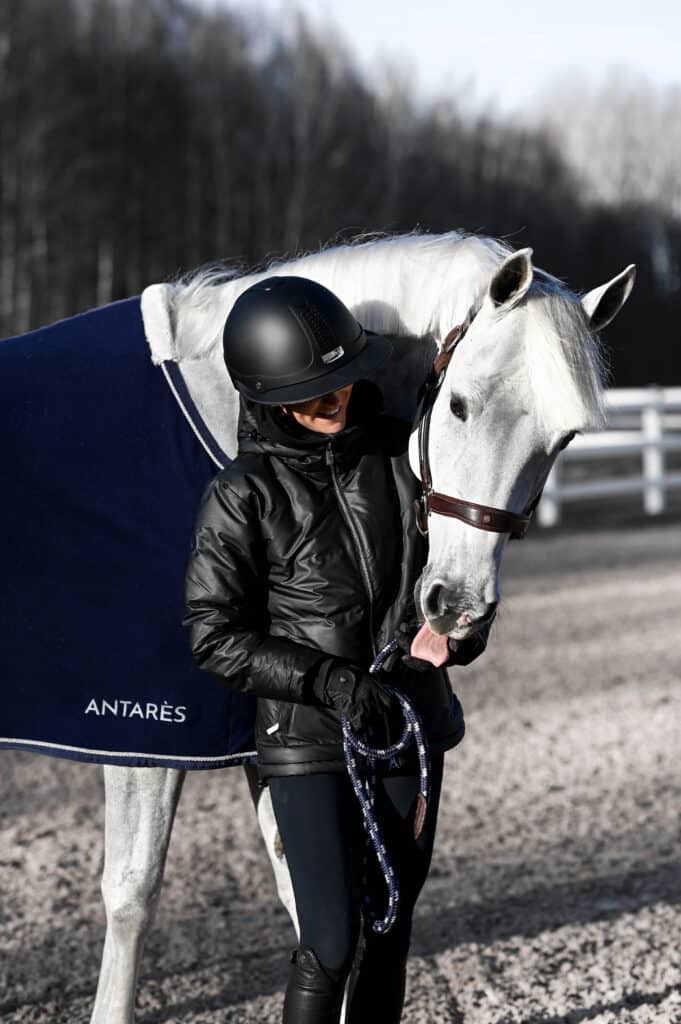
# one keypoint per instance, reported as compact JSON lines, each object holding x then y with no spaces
{"x":320,"y":826}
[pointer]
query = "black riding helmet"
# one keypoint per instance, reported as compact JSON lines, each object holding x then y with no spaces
{"x":288,"y":339}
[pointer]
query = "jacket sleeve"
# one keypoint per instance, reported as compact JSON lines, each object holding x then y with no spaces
{"x":226,"y":603}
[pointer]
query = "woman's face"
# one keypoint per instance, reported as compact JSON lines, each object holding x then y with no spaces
{"x":326,"y":414}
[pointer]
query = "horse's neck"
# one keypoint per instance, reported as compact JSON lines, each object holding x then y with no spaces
{"x":388,"y":292}
{"x":401,"y":378}
{"x":218,"y":403}
{"x":411,"y":287}
{"x":215,"y":398}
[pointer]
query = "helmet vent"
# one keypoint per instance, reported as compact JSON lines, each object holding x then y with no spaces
{"x":317,"y":325}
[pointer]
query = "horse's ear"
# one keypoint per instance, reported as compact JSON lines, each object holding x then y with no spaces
{"x":602,"y":305}
{"x":512,"y":279}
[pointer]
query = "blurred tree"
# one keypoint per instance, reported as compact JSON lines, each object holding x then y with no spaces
{"x":37,"y":104}
{"x":622,"y":136}
{"x":139,"y":138}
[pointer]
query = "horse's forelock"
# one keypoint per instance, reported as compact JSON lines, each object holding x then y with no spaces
{"x":564,"y":360}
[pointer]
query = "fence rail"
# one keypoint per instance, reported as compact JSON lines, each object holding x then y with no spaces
{"x":656,"y":412}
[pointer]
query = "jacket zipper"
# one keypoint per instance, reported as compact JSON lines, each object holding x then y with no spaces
{"x":351,"y":524}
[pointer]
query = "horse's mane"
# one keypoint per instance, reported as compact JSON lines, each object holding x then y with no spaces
{"x":394,"y":284}
{"x":413,"y":284}
{"x":564,"y":359}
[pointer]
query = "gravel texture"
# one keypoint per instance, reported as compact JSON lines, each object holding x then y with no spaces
{"x":555,"y":893}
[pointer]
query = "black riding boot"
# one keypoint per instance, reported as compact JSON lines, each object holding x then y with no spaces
{"x":314,"y":994}
{"x":376,"y":993}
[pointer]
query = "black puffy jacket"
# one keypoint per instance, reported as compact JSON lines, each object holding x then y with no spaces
{"x":305,"y":547}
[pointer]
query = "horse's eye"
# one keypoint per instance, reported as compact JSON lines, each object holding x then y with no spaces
{"x":458,"y":407}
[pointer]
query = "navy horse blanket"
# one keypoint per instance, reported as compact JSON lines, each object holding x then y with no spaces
{"x":103,"y":462}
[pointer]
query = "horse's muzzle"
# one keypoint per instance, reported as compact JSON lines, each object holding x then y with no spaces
{"x":454,"y":613}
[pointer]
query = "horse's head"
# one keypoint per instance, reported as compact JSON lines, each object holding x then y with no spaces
{"x":524,"y":379}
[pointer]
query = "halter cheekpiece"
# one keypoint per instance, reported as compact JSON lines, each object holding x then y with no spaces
{"x":482,"y":517}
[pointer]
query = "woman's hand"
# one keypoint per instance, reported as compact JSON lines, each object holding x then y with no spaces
{"x":352,"y":691}
{"x":461,"y":652}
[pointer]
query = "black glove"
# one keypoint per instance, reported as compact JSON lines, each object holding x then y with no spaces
{"x":404,"y":638}
{"x":352,"y":691}
{"x":461,"y":652}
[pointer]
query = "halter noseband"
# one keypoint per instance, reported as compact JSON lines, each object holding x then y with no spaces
{"x":482,"y":517}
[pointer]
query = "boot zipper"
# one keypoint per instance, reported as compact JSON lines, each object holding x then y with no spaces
{"x":346,"y":513}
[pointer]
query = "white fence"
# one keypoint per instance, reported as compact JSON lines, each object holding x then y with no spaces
{"x":655,"y":413}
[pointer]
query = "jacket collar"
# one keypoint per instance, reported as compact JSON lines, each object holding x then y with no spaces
{"x":267,"y":430}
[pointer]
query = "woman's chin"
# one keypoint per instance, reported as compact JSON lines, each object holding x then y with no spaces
{"x":328,"y":426}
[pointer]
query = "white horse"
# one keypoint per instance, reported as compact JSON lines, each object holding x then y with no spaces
{"x":524,"y":378}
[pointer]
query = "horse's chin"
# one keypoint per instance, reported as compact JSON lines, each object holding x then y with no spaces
{"x":463,"y":632}
{"x":447,"y":625}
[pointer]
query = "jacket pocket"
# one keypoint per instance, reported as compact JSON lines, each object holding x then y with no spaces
{"x":284,"y":723}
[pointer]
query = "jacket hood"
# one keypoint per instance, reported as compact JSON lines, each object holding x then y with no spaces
{"x":266,"y":429}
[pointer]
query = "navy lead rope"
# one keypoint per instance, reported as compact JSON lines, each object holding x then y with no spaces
{"x":365,"y":788}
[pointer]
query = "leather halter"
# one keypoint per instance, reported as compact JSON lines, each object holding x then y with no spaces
{"x":482,"y":517}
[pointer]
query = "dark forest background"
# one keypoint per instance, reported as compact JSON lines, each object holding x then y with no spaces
{"x":141,"y":139}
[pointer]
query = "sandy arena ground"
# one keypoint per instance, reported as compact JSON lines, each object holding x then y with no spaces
{"x":555,"y":894}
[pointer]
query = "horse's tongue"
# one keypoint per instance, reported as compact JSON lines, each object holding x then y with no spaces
{"x":428,"y":646}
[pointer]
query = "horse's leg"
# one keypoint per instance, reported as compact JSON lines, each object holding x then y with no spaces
{"x":270,"y":833}
{"x":140,"y":807}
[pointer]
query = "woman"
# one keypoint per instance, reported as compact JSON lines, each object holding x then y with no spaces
{"x":303,"y":566}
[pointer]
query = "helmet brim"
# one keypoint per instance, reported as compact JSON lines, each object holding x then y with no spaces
{"x":375,"y":353}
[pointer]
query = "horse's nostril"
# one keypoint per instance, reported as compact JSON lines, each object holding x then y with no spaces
{"x":435,"y":602}
{"x":442,"y":601}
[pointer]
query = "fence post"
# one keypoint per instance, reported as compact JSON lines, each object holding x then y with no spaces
{"x":652,"y":425}
{"x":548,"y":510}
